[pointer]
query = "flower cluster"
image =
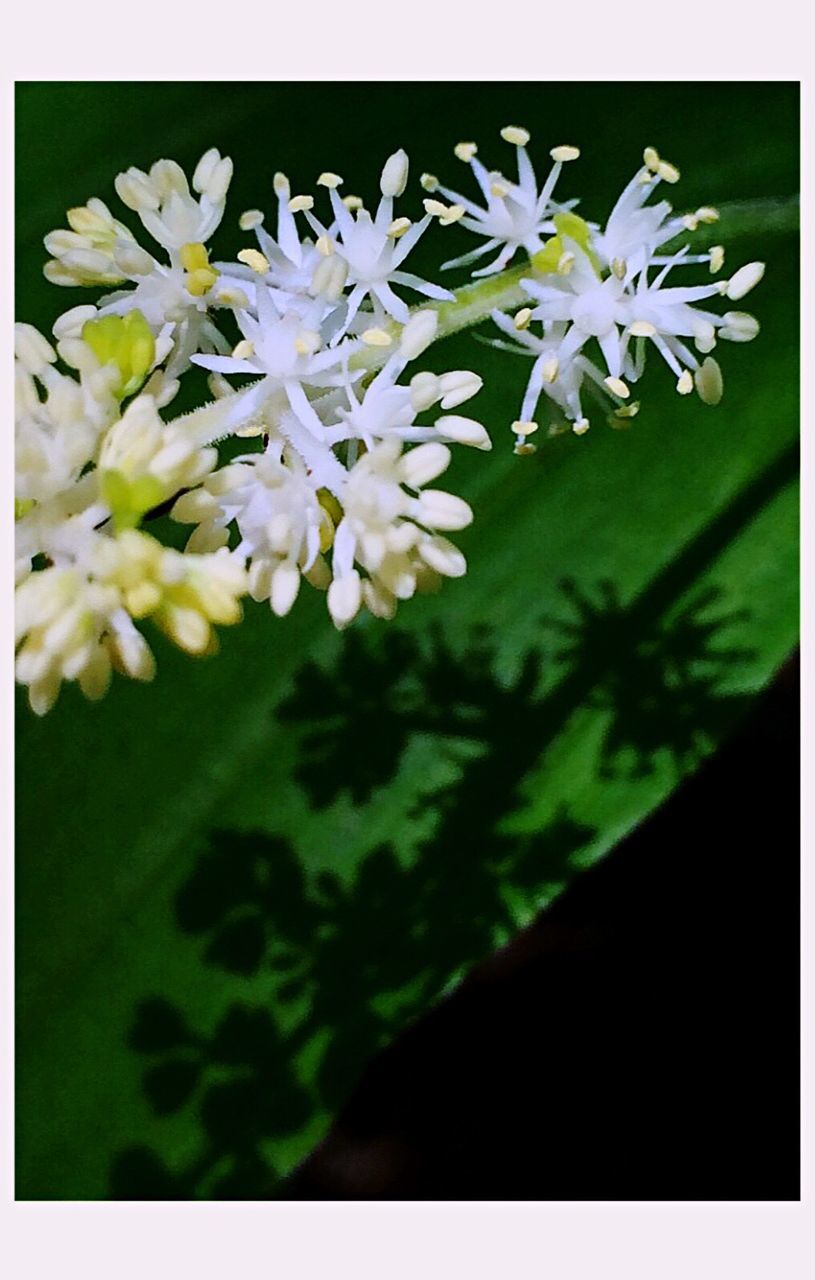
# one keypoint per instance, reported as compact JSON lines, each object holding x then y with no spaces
{"x":311,"y":354}
{"x":606,"y":285}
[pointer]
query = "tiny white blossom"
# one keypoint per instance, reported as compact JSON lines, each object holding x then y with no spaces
{"x":515,"y":214}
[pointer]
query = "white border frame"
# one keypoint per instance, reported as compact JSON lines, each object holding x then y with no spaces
{"x":389,"y":1241}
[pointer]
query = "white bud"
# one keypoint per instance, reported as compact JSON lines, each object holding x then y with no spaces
{"x":135,"y":190}
{"x":463,"y":431}
{"x":439,"y":510}
{"x":423,"y":464}
{"x":394,"y":174}
{"x":708,"y":379}
{"x":745,"y":279}
{"x":345,"y":598}
{"x":739,"y":326}
{"x":132,"y":259}
{"x":70,"y":324}
{"x":442,"y":556}
{"x":418,"y":334}
{"x":32,"y":349}
{"x":205,"y":169}
{"x":285,"y":585}
{"x":457,"y":386}
{"x":424,"y":391}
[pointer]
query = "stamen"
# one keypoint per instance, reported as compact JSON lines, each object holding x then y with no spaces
{"x":428,"y":182}
{"x":684,"y":383}
{"x":581,"y":426}
{"x":618,"y":387}
{"x":619,"y":267}
{"x":642,"y":329}
{"x":745,"y":279}
{"x":298,"y":204}
{"x":254,"y":259}
{"x":708,"y":379}
{"x":376,"y":338}
{"x":330,"y":180}
{"x":244,"y":350}
{"x":250,"y":219}
{"x":716,"y":258}
{"x":517,"y":136}
{"x":550,"y":369}
{"x":465,"y":151}
{"x":398,"y":228}
{"x":524,"y":428}
{"x":561,"y":155}
{"x":522,"y":318}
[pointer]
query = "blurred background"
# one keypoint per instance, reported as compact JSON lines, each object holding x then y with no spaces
{"x":238,"y":886}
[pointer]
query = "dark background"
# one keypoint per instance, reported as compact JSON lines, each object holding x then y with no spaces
{"x":640,"y":1041}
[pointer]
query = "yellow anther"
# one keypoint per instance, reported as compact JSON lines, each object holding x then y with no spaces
{"x":667,"y":172}
{"x":716,"y":258}
{"x":690,"y":222}
{"x":522,"y":318}
{"x":330,"y":180}
{"x":250,"y":219}
{"x":233,"y":298}
{"x":565,"y":263}
{"x":244,"y":350}
{"x":465,"y":151}
{"x":627,"y":411}
{"x":550,"y":369}
{"x":514,"y":134}
{"x":298,"y":204}
{"x":255,"y":259}
{"x":561,"y":155}
{"x":581,"y":426}
{"x":650,"y":157}
{"x":201,"y":275}
{"x":352,"y":202}
{"x":525,"y":449}
{"x":281,"y":184}
{"x":499,"y":189}
{"x":684,"y":383}
{"x":618,"y":387}
{"x":307,"y":342}
{"x":428,"y":182}
{"x":642,"y":329}
{"x":707,"y":214}
{"x":524,"y":428}
{"x":325,"y":246}
{"x":376,"y":338}
{"x":398,"y":228}
{"x":708,"y":381}
{"x":619,"y":267}
{"x":445,"y":213}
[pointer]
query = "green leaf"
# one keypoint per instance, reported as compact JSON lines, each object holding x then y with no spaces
{"x":234,"y":885}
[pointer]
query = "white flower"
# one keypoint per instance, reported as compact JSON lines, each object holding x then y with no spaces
{"x":286,"y":353}
{"x":516,"y":214}
{"x":388,"y":409}
{"x":58,"y":428}
{"x":615,"y":310}
{"x":142,"y":462}
{"x":391,"y":532}
{"x":75,"y":621}
{"x":282,"y":524}
{"x":99,"y":250}
{"x":635,"y":231}
{"x":373,"y":249}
